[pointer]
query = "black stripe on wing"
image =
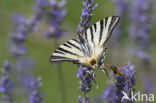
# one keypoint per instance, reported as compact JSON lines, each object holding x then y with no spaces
{"x":61,"y":59}
{"x":106,"y":19}
{"x":84,"y":44}
{"x":101,"y":30}
{"x":114,"y":22}
{"x":91,"y":31}
{"x":66,"y":51}
{"x":69,"y":51}
{"x":95,"y":27}
{"x":66,"y":45}
{"x":60,"y":52}
{"x":107,"y":26}
{"x":73,"y":45}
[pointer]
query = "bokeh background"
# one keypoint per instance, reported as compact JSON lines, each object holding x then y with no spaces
{"x":40,"y":48}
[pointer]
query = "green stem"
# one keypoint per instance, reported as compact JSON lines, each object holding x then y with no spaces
{"x":61,"y":79}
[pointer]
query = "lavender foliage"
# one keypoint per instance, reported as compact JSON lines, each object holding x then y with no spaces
{"x":36,"y":96}
{"x":114,"y":93}
{"x":55,"y":16}
{"x":6,"y":86}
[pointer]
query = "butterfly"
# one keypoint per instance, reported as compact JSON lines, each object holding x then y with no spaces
{"x":89,"y":48}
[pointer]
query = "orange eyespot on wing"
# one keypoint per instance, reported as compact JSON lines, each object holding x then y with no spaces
{"x":92,"y":61}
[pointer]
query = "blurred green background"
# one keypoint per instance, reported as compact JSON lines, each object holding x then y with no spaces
{"x":40,"y":48}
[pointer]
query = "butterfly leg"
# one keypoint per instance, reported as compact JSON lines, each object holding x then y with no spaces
{"x":101,"y":67}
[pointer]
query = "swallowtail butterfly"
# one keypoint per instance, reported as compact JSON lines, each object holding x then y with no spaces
{"x":88,"y":48}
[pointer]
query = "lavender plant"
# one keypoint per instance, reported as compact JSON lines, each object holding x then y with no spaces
{"x":86,"y":15}
{"x":140,"y":28}
{"x":114,"y":93}
{"x":140,"y":34}
{"x":54,"y":19}
{"x":36,"y":96}
{"x":21,"y":28}
{"x":86,"y":78}
{"x":55,"y":16}
{"x":23,"y":64}
{"x":6,"y":85}
{"x":121,"y":10}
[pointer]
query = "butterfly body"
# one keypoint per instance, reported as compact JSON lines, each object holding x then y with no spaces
{"x":88,"y":48}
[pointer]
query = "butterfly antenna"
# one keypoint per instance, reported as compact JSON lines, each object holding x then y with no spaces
{"x":105,"y":71}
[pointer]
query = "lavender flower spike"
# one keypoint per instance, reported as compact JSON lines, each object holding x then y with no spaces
{"x":6,"y":86}
{"x":114,"y":93}
{"x":121,"y":10}
{"x":55,"y":17}
{"x":86,"y":80}
{"x":140,"y":27}
{"x":86,"y":16}
{"x":36,"y":96}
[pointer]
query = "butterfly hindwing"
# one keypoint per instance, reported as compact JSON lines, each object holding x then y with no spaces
{"x":69,"y":51}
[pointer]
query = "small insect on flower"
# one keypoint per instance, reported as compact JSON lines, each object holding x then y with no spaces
{"x":116,"y":70}
{"x":88,"y":49}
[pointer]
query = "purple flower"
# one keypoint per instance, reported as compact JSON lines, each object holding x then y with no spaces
{"x":148,"y":85}
{"x":55,"y":16}
{"x":86,"y":80}
{"x":121,"y":10}
{"x":40,"y":6}
{"x":21,"y":28}
{"x":140,"y":35}
{"x":121,"y":7}
{"x":84,"y":100}
{"x":140,"y":28}
{"x":6,"y":86}
{"x":86,"y":15}
{"x":114,"y":93}
{"x":39,"y":11}
{"x":36,"y":96}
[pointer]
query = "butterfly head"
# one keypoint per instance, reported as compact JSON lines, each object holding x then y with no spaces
{"x":92,"y":62}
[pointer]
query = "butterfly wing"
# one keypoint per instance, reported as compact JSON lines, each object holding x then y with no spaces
{"x":70,"y":51}
{"x":91,"y":43}
{"x":100,"y":32}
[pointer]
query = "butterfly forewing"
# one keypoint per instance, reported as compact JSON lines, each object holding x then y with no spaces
{"x":99,"y":33}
